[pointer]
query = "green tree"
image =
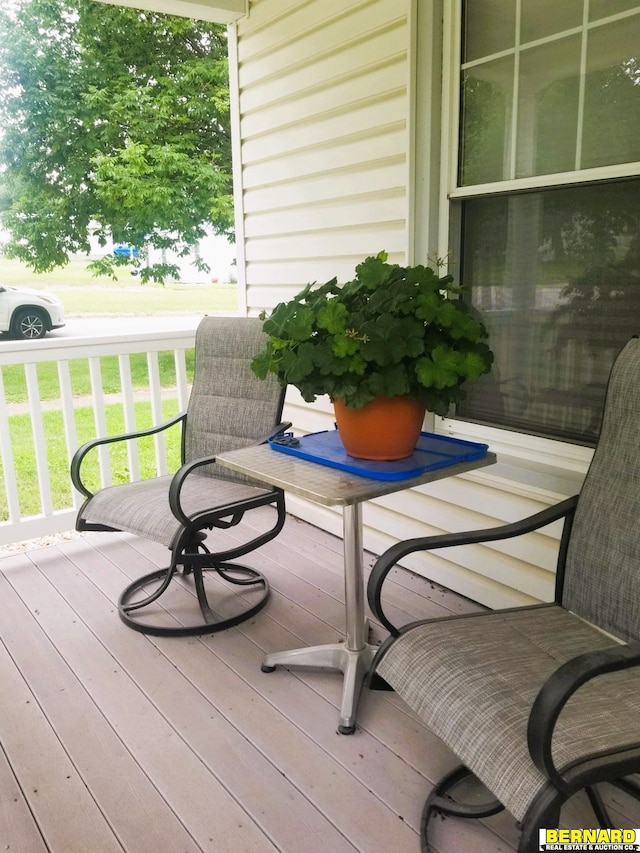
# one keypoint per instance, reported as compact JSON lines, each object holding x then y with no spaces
{"x":114,"y":122}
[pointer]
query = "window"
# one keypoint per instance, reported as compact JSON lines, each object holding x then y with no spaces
{"x":545,"y":214}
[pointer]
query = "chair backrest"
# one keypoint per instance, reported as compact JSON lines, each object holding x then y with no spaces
{"x":602,"y":574}
{"x":229,"y":406}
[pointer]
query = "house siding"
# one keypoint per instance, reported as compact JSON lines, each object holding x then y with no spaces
{"x":325,"y":137}
{"x":324,"y":144}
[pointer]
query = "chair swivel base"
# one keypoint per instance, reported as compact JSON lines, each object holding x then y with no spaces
{"x":441,"y":802}
{"x":133,"y":611}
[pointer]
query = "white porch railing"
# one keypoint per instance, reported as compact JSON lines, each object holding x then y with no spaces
{"x":15,"y":526}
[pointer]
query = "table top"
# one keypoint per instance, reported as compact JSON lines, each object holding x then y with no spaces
{"x":324,"y":485}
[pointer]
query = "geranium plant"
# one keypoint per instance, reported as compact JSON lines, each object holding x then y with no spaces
{"x":390,"y":331}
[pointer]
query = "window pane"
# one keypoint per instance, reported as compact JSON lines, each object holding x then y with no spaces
{"x":490,"y":26}
{"x":555,"y":276}
{"x":541,"y":18}
{"x":487,"y":97}
{"x":603,"y":8}
{"x":611,"y":131}
{"x":548,"y":98}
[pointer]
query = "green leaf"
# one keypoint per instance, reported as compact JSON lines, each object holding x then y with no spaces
{"x":355,"y":394}
{"x":345,"y":345}
{"x":358,"y":365}
{"x":466,"y":327}
{"x":390,"y":339}
{"x":448,"y":313}
{"x":330,"y":364}
{"x":428,"y":306}
{"x":425,"y":277}
{"x":374,"y":271}
{"x":291,"y":321}
{"x":441,"y":370}
{"x":391,"y":381}
{"x":296,"y":365}
{"x":333,"y":316}
{"x":477,"y":361}
{"x":264,"y":363}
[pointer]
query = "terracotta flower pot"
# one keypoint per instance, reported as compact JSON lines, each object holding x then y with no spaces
{"x":384,"y":429}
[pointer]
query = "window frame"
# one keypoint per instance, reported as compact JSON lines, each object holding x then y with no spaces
{"x":523,"y":451}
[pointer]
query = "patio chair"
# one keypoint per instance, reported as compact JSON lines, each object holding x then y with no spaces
{"x":228,"y":408}
{"x":542,"y":701}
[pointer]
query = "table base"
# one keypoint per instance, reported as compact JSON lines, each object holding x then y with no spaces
{"x":354,"y":664}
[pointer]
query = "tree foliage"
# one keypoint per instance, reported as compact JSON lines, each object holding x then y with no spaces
{"x":114,"y":122}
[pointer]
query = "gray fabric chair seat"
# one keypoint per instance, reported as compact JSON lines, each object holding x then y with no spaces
{"x":473,"y":682}
{"x":143,"y":507}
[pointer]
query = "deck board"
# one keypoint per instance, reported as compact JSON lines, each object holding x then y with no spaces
{"x":112,"y":740}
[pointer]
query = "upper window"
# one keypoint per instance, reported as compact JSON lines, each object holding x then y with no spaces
{"x":546,"y":88}
{"x":545,"y":217}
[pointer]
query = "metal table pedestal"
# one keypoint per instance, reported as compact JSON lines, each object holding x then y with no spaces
{"x":353,"y":657}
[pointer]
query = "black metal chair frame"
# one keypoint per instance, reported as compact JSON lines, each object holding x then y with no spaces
{"x":189,"y":554}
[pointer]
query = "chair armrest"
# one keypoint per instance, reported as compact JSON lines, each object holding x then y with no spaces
{"x":182,"y":473}
{"x":82,"y":451}
{"x":392,"y":555}
{"x":559,"y":688}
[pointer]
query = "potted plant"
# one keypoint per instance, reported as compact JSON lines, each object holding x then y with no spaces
{"x":393,"y":336}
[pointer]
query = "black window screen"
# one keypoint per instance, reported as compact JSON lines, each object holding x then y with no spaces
{"x":555,"y":276}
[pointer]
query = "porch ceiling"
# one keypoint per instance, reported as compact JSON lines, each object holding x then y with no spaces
{"x":218,"y":11}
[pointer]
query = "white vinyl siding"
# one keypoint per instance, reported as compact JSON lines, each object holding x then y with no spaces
{"x":324,"y":143}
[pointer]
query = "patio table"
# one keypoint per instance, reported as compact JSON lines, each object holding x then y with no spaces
{"x":333,"y":487}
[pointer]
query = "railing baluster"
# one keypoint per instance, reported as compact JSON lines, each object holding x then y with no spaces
{"x":100,"y":418}
{"x":156,"y":411}
{"x":68,"y":418}
{"x":39,"y":444}
{"x":8,"y":467}
{"x":126,"y":384}
{"x":180,"y":360}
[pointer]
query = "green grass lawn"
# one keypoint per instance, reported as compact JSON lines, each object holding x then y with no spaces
{"x":81,"y":293}
{"x":61,"y":491}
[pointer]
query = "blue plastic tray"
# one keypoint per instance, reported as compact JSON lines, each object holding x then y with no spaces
{"x":432,"y":452}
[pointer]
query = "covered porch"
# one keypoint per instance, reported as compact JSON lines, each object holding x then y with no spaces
{"x":115,"y":741}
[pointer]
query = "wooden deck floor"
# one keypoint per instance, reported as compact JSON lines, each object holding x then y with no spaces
{"x":114,"y":741}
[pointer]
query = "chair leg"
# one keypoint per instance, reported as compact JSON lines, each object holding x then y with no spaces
{"x":544,"y":813}
{"x":599,"y":808}
{"x":130,"y":608}
{"x":441,"y":802}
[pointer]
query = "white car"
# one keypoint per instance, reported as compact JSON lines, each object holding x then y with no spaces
{"x":29,"y":314}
